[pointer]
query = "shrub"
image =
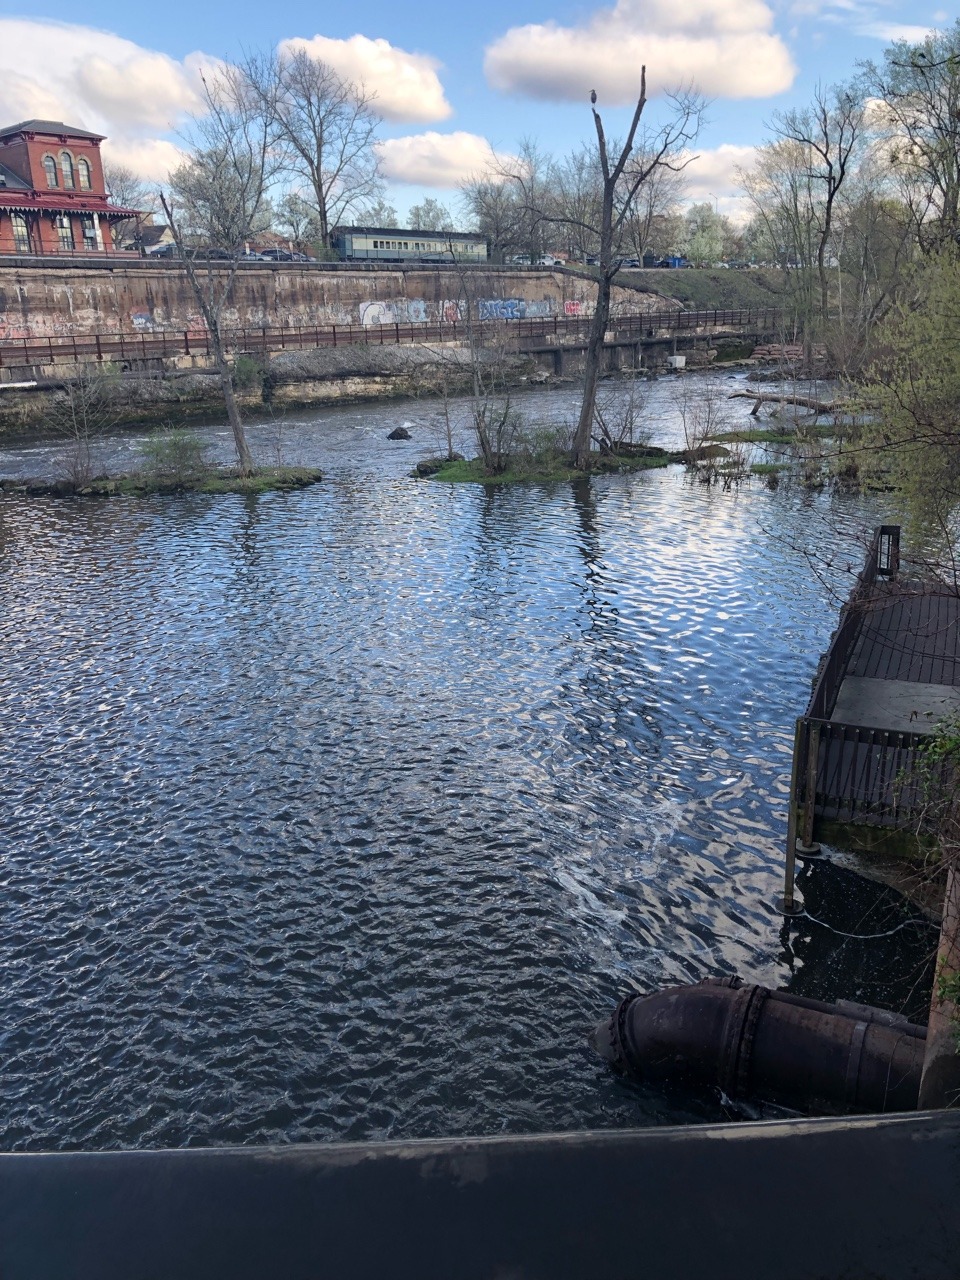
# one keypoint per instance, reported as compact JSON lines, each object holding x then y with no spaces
{"x":247,"y":372}
{"x":174,"y":456}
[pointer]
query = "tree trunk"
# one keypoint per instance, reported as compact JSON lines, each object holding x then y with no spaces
{"x":244,"y":457}
{"x":805,"y":402}
{"x":591,"y":374}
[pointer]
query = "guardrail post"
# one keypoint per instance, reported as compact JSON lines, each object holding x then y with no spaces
{"x":788,"y":904}
{"x":807,"y":847}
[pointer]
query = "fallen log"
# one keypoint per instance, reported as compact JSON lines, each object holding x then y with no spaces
{"x":805,"y":402}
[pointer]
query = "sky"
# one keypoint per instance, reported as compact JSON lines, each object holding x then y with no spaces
{"x":454,"y":82}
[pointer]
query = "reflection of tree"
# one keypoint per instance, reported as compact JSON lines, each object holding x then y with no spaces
{"x":894,"y":972}
{"x":614,"y":710}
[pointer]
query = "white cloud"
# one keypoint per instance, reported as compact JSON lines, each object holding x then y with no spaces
{"x":101,"y":82}
{"x":152,"y":159}
{"x":712,"y":173}
{"x":406,"y":85}
{"x":726,"y":48}
{"x":437,"y":159}
{"x":92,"y":78}
{"x":895,"y":31}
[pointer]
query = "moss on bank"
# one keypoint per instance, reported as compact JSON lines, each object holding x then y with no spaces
{"x":473,"y":471}
{"x":265,"y":480}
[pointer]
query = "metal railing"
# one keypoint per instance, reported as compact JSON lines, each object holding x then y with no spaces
{"x":850,"y":773}
{"x":856,"y":773}
{"x":151,"y":345}
{"x":882,"y":564}
{"x":846,"y":772}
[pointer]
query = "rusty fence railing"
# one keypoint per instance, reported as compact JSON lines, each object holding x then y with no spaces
{"x":157,"y":344}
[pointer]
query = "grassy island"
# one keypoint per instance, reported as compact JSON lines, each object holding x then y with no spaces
{"x":473,"y":471}
{"x":143,"y":484}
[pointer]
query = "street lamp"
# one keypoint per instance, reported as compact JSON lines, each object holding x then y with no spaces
{"x":716,"y":202}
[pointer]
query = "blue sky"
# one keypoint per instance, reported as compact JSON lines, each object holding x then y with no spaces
{"x":454,"y":81}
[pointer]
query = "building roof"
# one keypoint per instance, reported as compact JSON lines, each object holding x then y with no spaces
{"x":154,"y":233}
{"x":9,"y":181}
{"x":407,"y":232}
{"x":54,"y":202}
{"x":56,"y":127}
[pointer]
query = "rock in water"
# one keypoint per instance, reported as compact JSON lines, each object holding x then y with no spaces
{"x":399,"y":433}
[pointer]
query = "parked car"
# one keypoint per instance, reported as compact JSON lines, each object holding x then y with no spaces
{"x":277,"y":255}
{"x":163,"y":251}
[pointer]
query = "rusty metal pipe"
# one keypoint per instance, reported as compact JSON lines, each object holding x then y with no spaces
{"x":751,"y":1042}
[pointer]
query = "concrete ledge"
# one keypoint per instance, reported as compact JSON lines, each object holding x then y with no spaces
{"x":795,"y":1200}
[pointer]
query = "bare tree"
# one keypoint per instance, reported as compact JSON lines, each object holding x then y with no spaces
{"x":220,"y":196}
{"x":654,"y":216}
{"x":493,"y":204}
{"x":619,"y":184}
{"x":828,"y":134}
{"x":128,"y":190}
{"x":80,"y":413}
{"x":323,"y":128}
{"x":575,"y":186}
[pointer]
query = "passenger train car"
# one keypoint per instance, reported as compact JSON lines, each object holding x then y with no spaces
{"x":393,"y":244}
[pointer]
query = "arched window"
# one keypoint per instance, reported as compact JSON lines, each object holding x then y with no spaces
{"x":66,"y":168}
{"x":50,"y":169}
{"x":21,"y":233}
{"x":83,"y":173}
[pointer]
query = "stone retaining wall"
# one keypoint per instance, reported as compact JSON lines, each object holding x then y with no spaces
{"x":135,"y":297}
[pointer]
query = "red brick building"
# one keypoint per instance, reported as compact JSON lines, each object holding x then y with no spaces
{"x":53,"y":199}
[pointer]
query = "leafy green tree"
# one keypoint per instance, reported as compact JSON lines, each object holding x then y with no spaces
{"x":430,"y":215}
{"x":912,"y":437}
{"x":377,"y":213}
{"x":297,"y":219}
{"x":704,"y":234}
{"x":916,"y":92}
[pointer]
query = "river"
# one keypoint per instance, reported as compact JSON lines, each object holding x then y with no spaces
{"x":345,"y":813}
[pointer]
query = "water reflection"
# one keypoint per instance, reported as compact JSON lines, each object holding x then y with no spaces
{"x":345,"y":813}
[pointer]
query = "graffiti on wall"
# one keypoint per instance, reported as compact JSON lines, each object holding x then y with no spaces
{"x":500,"y":308}
{"x":54,"y":325}
{"x":450,"y":310}
{"x":400,"y":311}
{"x":514,"y":308}
{"x":13,"y":329}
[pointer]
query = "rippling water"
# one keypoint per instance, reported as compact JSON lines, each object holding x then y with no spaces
{"x":345,"y":813}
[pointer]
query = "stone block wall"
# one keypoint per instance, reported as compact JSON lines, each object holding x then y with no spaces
{"x":132,"y":297}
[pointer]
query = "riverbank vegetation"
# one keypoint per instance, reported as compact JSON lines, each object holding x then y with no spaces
{"x":172,"y":459}
{"x":142,"y":484}
{"x":546,"y":470}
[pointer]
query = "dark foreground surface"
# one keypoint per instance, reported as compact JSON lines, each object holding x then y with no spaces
{"x":795,"y":1200}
